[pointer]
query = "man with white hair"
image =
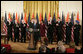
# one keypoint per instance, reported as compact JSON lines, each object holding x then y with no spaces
{"x":68,"y":31}
{"x":36,"y":31}
{"x":59,"y":30}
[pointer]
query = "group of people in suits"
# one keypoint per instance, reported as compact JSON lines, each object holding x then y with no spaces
{"x":51,"y":27}
{"x":16,"y":27}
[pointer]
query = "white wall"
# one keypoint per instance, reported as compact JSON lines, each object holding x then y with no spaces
{"x":71,"y":6}
{"x":11,"y":6}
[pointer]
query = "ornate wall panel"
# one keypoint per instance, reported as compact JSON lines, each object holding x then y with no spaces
{"x":41,"y":7}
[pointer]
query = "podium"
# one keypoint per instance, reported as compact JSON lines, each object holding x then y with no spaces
{"x":31,"y":42}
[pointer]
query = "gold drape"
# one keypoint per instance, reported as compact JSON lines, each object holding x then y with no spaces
{"x":41,"y":7}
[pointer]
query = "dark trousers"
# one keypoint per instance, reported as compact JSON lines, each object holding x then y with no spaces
{"x":68,"y":37}
{"x":51,"y":40}
{"x":77,"y":43}
{"x":10,"y":36}
{"x":50,"y":37}
{"x":16,"y":36}
{"x":23,"y":37}
{"x":59,"y":36}
{"x":76,"y":38}
{"x":36,"y":38}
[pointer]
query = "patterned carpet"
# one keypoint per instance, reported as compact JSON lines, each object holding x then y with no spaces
{"x":18,"y":47}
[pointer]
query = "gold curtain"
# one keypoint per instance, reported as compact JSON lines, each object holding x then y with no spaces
{"x":41,"y":7}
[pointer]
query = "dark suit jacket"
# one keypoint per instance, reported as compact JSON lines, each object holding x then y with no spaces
{"x":36,"y":34}
{"x":16,"y":29}
{"x":42,"y":30}
{"x":76,"y":32}
{"x":68,"y":29}
{"x":50,"y":30}
{"x":23,"y":28}
{"x":9,"y":28}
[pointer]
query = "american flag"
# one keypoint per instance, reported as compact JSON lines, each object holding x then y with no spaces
{"x":64,"y":29}
{"x":72,"y":21}
{"x":12,"y":31}
{"x":28,"y":33}
{"x":28,"y":22}
{"x":45,"y":22}
{"x":20,"y":27}
{"x":20,"y":33}
{"x":72,"y":34}
{"x":5,"y":28}
{"x":4,"y":25}
{"x":13,"y":24}
{"x":46,"y":32}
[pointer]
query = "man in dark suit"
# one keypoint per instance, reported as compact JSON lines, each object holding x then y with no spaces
{"x":35,"y":27}
{"x":36,"y":33}
{"x":59,"y":30}
{"x":23,"y":31}
{"x":68,"y":31}
{"x":16,"y":31}
{"x":50,"y":31}
{"x":77,"y":32}
{"x":54,"y":33}
{"x":9,"y":30}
